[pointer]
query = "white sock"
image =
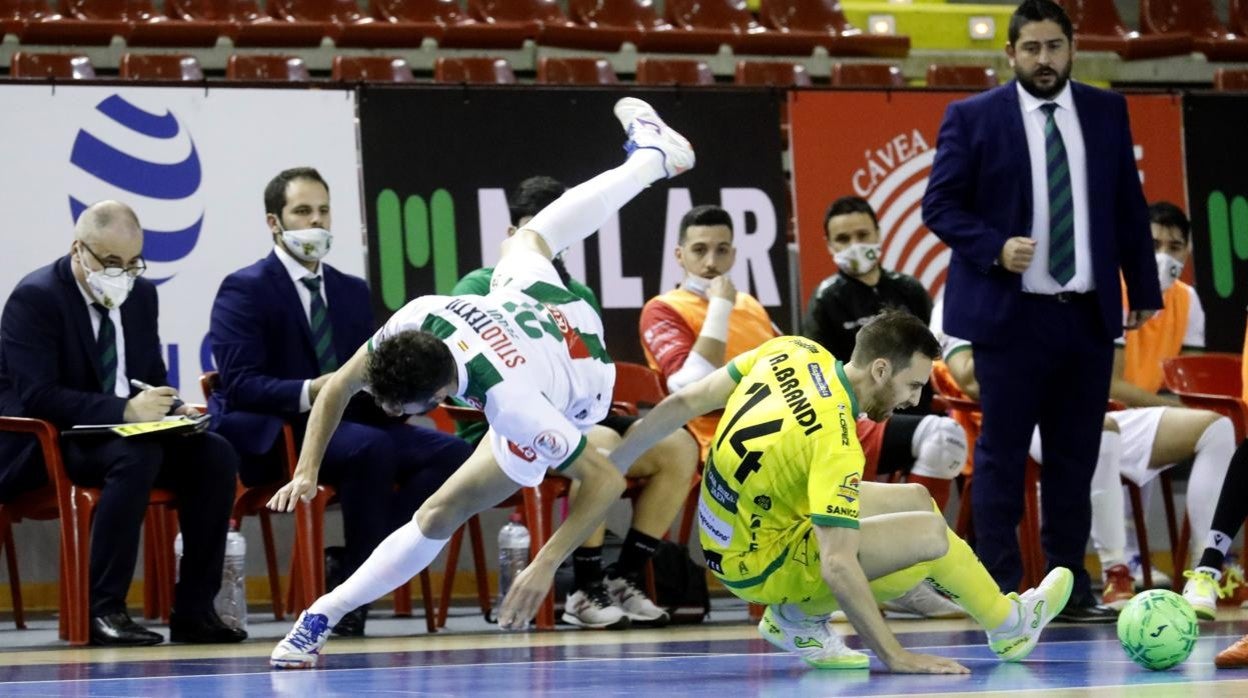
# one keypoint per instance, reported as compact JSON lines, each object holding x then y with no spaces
{"x":583,"y":209}
{"x":401,"y":556}
{"x":1213,"y":457}
{"x":1218,"y":541}
{"x":1109,"y":533}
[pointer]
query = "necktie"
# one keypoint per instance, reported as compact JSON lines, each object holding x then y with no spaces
{"x":106,"y":345}
{"x":322,"y":332}
{"x":1061,"y":203}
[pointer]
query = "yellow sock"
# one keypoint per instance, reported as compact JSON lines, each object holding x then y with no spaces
{"x":961,"y":576}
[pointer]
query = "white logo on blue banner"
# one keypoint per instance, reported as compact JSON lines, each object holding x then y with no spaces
{"x":193,"y":164}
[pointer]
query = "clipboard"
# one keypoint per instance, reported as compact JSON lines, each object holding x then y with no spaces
{"x":167,"y":426}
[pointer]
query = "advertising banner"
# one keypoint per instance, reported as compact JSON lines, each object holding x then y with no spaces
{"x":192,"y":163}
{"x":880,"y":146}
{"x":439,"y":163}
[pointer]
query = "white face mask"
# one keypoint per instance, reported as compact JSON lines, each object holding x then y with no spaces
{"x":308,"y":244}
{"x":696,"y":284}
{"x":858,"y":259}
{"x":1168,"y":270}
{"x":110,"y":291}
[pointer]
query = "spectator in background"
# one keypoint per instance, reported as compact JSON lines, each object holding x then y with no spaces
{"x":690,"y":331}
{"x":1035,"y":189}
{"x":73,"y":337}
{"x":612,"y":598}
{"x":279,"y":328}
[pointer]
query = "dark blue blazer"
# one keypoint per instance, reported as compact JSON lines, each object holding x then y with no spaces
{"x":979,"y":194}
{"x":50,"y":368}
{"x":263,"y":349}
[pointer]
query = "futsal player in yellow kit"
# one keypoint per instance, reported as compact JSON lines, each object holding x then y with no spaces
{"x":786,"y":520}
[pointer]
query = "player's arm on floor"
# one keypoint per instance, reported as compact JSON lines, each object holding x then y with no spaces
{"x":838,"y":552}
{"x":694,"y":400}
{"x":326,"y":414}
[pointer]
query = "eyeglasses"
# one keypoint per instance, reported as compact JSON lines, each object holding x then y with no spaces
{"x":111,"y":270}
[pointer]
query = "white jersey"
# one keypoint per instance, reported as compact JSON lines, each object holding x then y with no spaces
{"x":530,"y":355}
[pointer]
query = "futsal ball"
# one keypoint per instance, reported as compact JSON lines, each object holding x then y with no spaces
{"x":1158,"y":629}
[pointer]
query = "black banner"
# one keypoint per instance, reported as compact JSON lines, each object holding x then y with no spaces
{"x":1217,"y":187}
{"x":439,"y":161}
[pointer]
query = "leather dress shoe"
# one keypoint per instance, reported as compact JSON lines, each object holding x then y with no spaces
{"x":118,"y":630}
{"x":1086,"y":610}
{"x":208,"y":629}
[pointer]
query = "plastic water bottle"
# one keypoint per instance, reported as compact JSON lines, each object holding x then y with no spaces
{"x":177,"y":557}
{"x":513,"y":554}
{"x":231,"y":601}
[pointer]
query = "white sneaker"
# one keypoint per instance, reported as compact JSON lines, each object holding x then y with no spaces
{"x":1034,"y":609}
{"x":924,"y":602}
{"x":1202,"y":591}
{"x":302,"y":645}
{"x":646,"y":130}
{"x":592,"y":608}
{"x":636,"y":605}
{"x":811,"y":639}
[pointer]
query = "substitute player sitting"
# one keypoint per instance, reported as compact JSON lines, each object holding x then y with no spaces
{"x":530,"y":355}
{"x":786,"y":520}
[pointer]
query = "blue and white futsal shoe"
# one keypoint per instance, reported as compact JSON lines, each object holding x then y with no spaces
{"x":646,"y":130}
{"x":302,"y":645}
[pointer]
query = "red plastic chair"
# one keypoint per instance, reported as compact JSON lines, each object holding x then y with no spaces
{"x":453,"y":27}
{"x":65,"y":66}
{"x":673,"y":71}
{"x":145,"y":25}
{"x":138,"y":66}
{"x":248,"y":26}
{"x":40,"y":505}
{"x":1238,"y":17}
{"x":1098,"y":27}
{"x":489,"y":71}
{"x":772,"y":74}
{"x":266,"y":67}
{"x":348,"y":27}
{"x":12,"y":17}
{"x":575,"y":71}
{"x":371,"y":69}
{"x":1228,"y":79}
{"x":962,"y":77}
{"x":41,"y":24}
{"x":867,"y":75}
{"x":748,"y":35}
{"x":1210,"y":382}
{"x":825,"y":19}
{"x":645,"y":28}
{"x":1197,"y":18}
{"x":553,"y":26}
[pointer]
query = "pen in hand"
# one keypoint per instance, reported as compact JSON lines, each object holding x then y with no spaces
{"x":177,"y":401}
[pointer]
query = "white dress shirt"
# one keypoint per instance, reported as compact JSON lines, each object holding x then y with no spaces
{"x":1036,"y":278}
{"x":122,"y":387}
{"x":297,"y":272}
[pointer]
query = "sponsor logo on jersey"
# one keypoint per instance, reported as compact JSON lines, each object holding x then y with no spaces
{"x":551,"y":444}
{"x":715,"y":528}
{"x":808,"y":346}
{"x":838,"y":510}
{"x":763,"y":502}
{"x":821,"y":385}
{"x":719,"y":490}
{"x":522,"y":451}
{"x":848,"y":489}
{"x":714,"y":561}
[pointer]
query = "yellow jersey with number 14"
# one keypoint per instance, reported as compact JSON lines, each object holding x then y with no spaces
{"x":785,"y":455}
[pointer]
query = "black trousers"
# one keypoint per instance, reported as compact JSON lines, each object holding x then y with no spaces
{"x":201,"y":469}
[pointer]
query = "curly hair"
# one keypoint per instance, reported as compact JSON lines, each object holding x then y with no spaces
{"x":409,"y":367}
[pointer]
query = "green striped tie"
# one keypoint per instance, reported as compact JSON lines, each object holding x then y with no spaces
{"x":1061,"y":203}
{"x":106,"y":345}
{"x":322,"y":331}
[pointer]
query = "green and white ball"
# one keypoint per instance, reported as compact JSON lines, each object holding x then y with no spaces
{"x":1158,"y":629}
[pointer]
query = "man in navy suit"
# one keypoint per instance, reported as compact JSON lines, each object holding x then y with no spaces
{"x":1035,"y":189}
{"x":73,"y":336}
{"x":279,"y":328}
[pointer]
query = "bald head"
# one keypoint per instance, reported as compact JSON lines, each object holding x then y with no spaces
{"x":107,"y":234}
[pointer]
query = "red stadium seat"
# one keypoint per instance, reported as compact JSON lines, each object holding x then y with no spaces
{"x":772,"y":73}
{"x":496,"y":71}
{"x":12,"y":18}
{"x":748,"y":36}
{"x":371,"y":69}
{"x":1195,"y":17}
{"x":455,"y":29}
{"x":964,"y":77}
{"x":825,"y":18}
{"x":65,"y":66}
{"x":644,"y":27}
{"x":575,"y":71}
{"x":249,"y":26}
{"x":347,"y":26}
{"x":1228,"y":79}
{"x":553,"y":26}
{"x":136,"y":66}
{"x":1238,"y":17}
{"x":673,"y":71}
{"x":867,"y":75}
{"x":1098,"y":27}
{"x":265,"y":67}
{"x":43,"y":25}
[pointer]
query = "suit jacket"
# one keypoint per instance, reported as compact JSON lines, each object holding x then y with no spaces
{"x":979,"y":194}
{"x":263,"y":348}
{"x":50,"y":367}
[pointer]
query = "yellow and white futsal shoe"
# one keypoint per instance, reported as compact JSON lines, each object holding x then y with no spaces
{"x":811,"y":639}
{"x":646,"y":130}
{"x":1033,"y":609}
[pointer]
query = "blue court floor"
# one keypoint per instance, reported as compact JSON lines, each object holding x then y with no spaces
{"x":725,"y":659}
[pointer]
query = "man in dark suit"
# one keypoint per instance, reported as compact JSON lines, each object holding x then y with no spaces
{"x":279,"y":328}
{"x":1035,"y":189}
{"x":73,"y":336}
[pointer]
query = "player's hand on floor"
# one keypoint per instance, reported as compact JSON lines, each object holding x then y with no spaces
{"x":912,"y":663}
{"x":526,"y":594}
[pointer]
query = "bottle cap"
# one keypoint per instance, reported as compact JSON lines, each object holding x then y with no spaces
{"x":233,"y":524}
{"x":515,"y":517}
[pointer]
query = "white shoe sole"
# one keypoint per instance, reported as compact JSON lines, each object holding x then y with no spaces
{"x":621,"y":624}
{"x":293,"y":663}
